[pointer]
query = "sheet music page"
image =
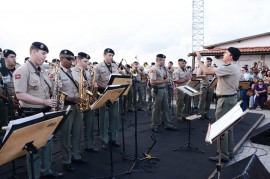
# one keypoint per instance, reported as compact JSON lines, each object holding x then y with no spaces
{"x":225,"y":121}
{"x":20,"y":121}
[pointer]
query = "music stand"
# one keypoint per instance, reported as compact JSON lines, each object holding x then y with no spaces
{"x":118,"y":79}
{"x":217,"y":129}
{"x":244,"y":84}
{"x":110,"y":95}
{"x":191,"y":92}
{"x":30,"y":134}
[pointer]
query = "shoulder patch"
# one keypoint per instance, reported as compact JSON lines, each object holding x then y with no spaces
{"x":152,"y":71}
{"x":17,"y":76}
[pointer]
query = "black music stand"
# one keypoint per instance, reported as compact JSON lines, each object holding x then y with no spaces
{"x":191,"y":92}
{"x":217,"y":129}
{"x":110,"y":95}
{"x":30,"y":134}
{"x":118,"y":79}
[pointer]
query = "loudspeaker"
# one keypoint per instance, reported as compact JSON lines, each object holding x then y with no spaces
{"x":247,"y":168}
{"x":261,"y":135}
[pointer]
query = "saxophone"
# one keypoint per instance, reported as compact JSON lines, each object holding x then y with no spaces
{"x":84,"y":94}
{"x":58,"y":95}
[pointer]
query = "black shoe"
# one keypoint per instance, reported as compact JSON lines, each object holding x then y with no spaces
{"x":53,"y":174}
{"x":207,"y":117}
{"x":115,"y":144}
{"x":140,"y":109}
{"x":68,"y":167}
{"x":79,"y":161}
{"x":171,"y":128}
{"x":215,"y":159}
{"x":130,"y":110}
{"x":91,"y":150}
{"x":155,"y":130}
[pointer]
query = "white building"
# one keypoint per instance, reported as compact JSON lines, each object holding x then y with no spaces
{"x":253,"y":48}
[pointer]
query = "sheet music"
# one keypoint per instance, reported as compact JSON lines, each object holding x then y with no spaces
{"x":190,"y":91}
{"x":224,"y":122}
{"x":20,"y":121}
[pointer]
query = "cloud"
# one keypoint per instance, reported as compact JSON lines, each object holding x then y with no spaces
{"x":143,"y":27}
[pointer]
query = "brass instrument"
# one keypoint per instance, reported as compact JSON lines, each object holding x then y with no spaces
{"x":94,"y":91}
{"x":58,"y":95}
{"x":84,"y":94}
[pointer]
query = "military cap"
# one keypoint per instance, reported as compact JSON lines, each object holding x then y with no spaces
{"x":7,"y":52}
{"x":235,"y":53}
{"x":40,"y":46}
{"x":84,"y":55}
{"x":94,"y":63}
{"x":108,"y":50}
{"x":161,"y":56}
{"x":182,"y":60}
{"x":209,"y":59}
{"x":66,"y":52}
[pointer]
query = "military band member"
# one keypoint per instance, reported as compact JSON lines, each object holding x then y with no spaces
{"x":228,"y":81}
{"x":7,"y":101}
{"x":169,"y":86}
{"x":137,"y":87}
{"x":88,"y":116}
{"x":158,"y":79}
{"x":181,"y":76}
{"x":72,"y":126}
{"x":207,"y":93}
{"x":32,"y":88}
{"x":102,"y":74}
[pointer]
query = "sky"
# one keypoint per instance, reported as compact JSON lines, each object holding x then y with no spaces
{"x":141,"y":28}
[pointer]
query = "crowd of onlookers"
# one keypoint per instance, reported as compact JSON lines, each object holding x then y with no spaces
{"x":256,"y":97}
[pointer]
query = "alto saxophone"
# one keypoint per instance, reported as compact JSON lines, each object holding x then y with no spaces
{"x":84,"y":94}
{"x":58,"y":95}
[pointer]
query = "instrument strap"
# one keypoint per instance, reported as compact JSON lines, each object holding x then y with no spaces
{"x":70,"y":77}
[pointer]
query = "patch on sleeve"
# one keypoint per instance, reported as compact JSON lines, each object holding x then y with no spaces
{"x":18,"y":76}
{"x":152,"y":71}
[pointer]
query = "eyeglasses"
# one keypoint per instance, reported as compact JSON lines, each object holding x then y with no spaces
{"x":70,"y":58}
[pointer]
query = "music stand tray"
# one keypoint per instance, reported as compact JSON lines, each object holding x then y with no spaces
{"x":244,"y":84}
{"x":189,"y":90}
{"x":118,"y":79}
{"x":193,"y":83}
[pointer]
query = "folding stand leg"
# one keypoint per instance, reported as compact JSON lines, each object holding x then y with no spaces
{"x":124,"y":155}
{"x":31,"y":149}
{"x":188,"y":145}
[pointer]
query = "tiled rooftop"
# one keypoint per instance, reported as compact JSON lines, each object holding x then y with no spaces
{"x":244,"y":50}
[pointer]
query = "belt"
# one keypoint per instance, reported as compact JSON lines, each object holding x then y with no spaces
{"x":226,"y":96}
{"x":35,"y":109}
{"x":161,"y":87}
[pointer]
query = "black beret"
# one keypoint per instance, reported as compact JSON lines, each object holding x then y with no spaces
{"x":66,"y":52}
{"x":135,"y":62}
{"x":40,"y":46}
{"x":235,"y":53}
{"x":84,"y":55}
{"x":161,"y":56}
{"x":94,"y":63}
{"x":209,"y":59}
{"x":55,"y":60}
{"x":7,"y":52}
{"x":182,"y":60}
{"x":108,"y":50}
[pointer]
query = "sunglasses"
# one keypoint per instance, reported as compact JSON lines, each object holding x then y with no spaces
{"x":70,"y":58}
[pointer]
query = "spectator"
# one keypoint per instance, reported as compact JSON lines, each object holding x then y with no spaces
{"x":261,"y":95}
